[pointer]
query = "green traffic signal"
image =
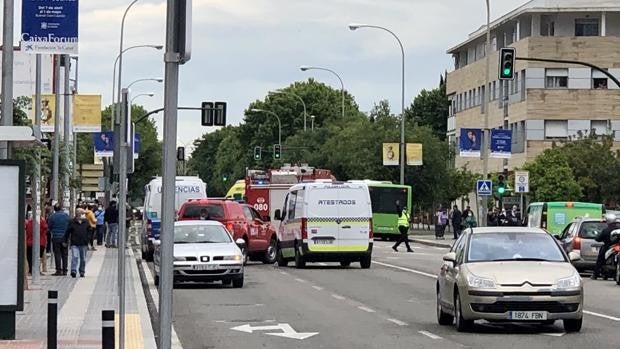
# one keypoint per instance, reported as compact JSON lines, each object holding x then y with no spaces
{"x":507,"y":71}
{"x":277,"y":151}
{"x":501,"y":190}
{"x":257,"y":153}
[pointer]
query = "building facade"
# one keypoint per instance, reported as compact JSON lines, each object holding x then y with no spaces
{"x":546,"y":102}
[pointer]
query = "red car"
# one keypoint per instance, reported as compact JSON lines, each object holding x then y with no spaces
{"x":242,"y":221}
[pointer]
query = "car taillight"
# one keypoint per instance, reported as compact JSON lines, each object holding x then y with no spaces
{"x":370,"y":232}
{"x":304,"y":228}
{"x":577,"y":243}
{"x":230,"y":227}
{"x":617,"y":248}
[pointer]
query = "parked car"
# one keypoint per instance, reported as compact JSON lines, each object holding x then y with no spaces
{"x":509,"y":274}
{"x":203,"y":251}
{"x":579,"y":236}
{"x":242,"y":221}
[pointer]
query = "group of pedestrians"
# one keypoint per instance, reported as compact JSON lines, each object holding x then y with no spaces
{"x":459,"y":220}
{"x":507,"y":218}
{"x":61,"y":233}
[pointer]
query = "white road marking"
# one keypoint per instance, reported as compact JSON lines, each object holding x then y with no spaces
{"x":554,"y":334}
{"x":339,"y":297}
{"x":601,"y":315}
{"x":318,"y":288}
{"x":429,"y":335}
{"x":406,"y":269}
{"x":368,"y":310}
{"x":398,"y":322}
{"x":300,"y":280}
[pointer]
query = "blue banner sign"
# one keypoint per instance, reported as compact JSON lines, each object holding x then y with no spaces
{"x":501,"y":143}
{"x":469,"y":143}
{"x":50,"y":26}
{"x":104,"y":144}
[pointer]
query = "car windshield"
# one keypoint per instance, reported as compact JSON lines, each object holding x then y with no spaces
{"x":211,"y":211}
{"x":590,"y":230}
{"x":196,"y":234}
{"x":519,"y":246}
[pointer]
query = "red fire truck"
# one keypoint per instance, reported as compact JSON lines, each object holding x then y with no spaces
{"x":265,"y":190}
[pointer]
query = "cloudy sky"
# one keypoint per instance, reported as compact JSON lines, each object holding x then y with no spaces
{"x":244,"y":48}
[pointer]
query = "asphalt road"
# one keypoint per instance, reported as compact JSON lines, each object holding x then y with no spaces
{"x":391,"y":305}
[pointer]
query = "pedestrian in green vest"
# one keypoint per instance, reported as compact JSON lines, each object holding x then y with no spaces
{"x":404,"y":219}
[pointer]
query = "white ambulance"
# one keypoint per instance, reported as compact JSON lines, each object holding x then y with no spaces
{"x":325,"y":221}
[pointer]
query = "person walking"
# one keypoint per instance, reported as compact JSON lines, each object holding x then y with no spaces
{"x":78,"y":237}
{"x":457,"y":221}
{"x":111,"y":219}
{"x":441,"y":220}
{"x":57,"y":225}
{"x":29,"y":240}
{"x":91,"y":219}
{"x":404,"y":220}
{"x":100,"y":230}
{"x":470,"y":220}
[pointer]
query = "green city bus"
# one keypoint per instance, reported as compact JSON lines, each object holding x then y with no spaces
{"x":555,"y":216}
{"x":383,"y":196}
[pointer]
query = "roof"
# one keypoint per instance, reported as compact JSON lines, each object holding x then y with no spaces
{"x":489,"y":230}
{"x":541,"y":6}
{"x":197,"y":222}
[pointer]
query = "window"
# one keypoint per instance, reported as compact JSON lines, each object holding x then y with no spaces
{"x":586,"y":27}
{"x":292,"y":199}
{"x":214,"y":211}
{"x":517,"y":83}
{"x":556,"y":78}
{"x":547,"y":26}
{"x":247,"y":213}
{"x":599,"y":80}
{"x":494,"y":97}
{"x":599,"y":127}
{"x":556,"y":128}
{"x":491,"y":247}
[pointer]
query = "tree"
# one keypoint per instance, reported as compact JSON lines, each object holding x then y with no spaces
{"x":430,"y":108}
{"x":551,"y":178}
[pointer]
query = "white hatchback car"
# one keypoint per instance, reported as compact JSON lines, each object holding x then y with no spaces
{"x":204,"y":251}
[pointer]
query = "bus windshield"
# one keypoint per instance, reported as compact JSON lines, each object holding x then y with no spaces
{"x":384,"y":199}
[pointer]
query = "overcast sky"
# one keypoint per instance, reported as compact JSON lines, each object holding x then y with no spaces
{"x":244,"y":48}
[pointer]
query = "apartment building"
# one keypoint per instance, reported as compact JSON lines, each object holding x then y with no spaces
{"x":546,"y":102}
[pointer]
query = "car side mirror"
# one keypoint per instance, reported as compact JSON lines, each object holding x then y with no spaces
{"x":574,"y":256}
{"x":240,"y":243}
{"x":278,"y":215}
{"x":450,"y":257}
{"x":156,"y":242}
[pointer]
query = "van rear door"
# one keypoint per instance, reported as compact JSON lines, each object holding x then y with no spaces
{"x":354,"y":211}
{"x":321,"y":219}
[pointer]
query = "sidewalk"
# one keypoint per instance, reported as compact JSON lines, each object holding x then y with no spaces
{"x":80,"y":302}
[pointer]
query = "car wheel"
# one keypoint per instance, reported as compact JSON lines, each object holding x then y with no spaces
{"x":460,"y":323}
{"x":573,"y":325}
{"x":237,"y":283}
{"x":271,"y":253}
{"x":443,"y":318}
{"x":345,"y":263}
{"x":300,"y":261}
{"x":282,"y":262}
{"x":365,"y":262}
{"x":156,"y":280}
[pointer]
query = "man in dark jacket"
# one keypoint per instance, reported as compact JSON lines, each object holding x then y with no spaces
{"x":457,"y":222}
{"x":57,"y":224}
{"x":111,"y":218}
{"x":605,"y":238}
{"x":78,"y":236}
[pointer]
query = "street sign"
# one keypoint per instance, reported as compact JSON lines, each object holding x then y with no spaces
{"x":501,"y":143}
{"x":49,"y":26}
{"x":484,"y":187}
{"x":522,"y":182}
{"x":286,"y":331}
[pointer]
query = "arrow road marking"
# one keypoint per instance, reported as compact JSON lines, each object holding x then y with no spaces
{"x":287,"y":331}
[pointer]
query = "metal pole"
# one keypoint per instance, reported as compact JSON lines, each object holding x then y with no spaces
{"x":171,"y":99}
{"x":485,"y":138}
{"x":7,"y":73}
{"x":56,"y":156}
{"x":122,"y":213}
{"x":36,"y":199}
{"x":402,"y":116}
{"x":120,"y":54}
{"x":75,"y":143}
{"x":107,"y":329}
{"x":52,"y":319}
{"x":67,"y":126}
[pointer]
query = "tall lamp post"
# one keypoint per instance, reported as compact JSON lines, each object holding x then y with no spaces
{"x":356,"y":26}
{"x":256,"y":110}
{"x":487,"y":94}
{"x":298,"y":98}
{"x":150,"y":94}
{"x":306,"y":68}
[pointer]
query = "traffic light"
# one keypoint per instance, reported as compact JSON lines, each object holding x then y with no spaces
{"x":208,"y":114}
{"x":181,"y":153}
{"x":257,"y":153}
{"x":220,"y":114}
{"x":277,"y":151}
{"x":501,"y":186}
{"x":507,"y":57}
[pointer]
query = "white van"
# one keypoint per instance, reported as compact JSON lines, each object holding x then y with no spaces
{"x":186,"y":188}
{"x":327,"y":222}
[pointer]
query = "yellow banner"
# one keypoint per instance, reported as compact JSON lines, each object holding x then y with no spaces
{"x":48,"y":108}
{"x":87,"y":113}
{"x":414,"y":154}
{"x":391,"y":154}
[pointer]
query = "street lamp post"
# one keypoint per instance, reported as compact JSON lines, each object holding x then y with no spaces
{"x":487,"y":94}
{"x":160,"y":80}
{"x":306,"y":68}
{"x":120,"y":76}
{"x":256,"y":110}
{"x":402,"y":112}
{"x":150,"y":94}
{"x":299,"y":98}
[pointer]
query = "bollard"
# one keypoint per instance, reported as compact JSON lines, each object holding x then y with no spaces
{"x":52,"y":319}
{"x":107,"y":329}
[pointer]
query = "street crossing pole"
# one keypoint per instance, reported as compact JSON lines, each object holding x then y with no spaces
{"x":36,"y":198}
{"x":56,"y":155}
{"x":67,"y":128}
{"x":122,"y":214}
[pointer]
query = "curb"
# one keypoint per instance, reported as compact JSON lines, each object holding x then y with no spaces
{"x":430,"y":243}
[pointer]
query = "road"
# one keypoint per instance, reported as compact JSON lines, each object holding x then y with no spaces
{"x":391,"y":305}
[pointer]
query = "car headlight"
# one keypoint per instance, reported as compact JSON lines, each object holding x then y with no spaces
{"x":569,"y":282}
{"x":477,"y":282}
{"x":236,"y":257}
{"x":179,"y":259}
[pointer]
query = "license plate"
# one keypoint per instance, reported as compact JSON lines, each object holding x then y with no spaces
{"x":323,"y":242}
{"x":206,"y":266}
{"x":528,"y":315}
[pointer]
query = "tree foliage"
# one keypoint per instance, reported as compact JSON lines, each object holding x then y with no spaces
{"x":551,"y":178}
{"x":430,"y":108}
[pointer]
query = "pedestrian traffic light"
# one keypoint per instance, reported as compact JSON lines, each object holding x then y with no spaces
{"x":277,"y":151}
{"x":219,"y":114}
{"x":507,"y":63}
{"x":181,"y":153}
{"x":257,"y":153}
{"x":501,"y":186}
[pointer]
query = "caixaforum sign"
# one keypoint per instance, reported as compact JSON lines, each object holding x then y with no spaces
{"x":50,"y":26}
